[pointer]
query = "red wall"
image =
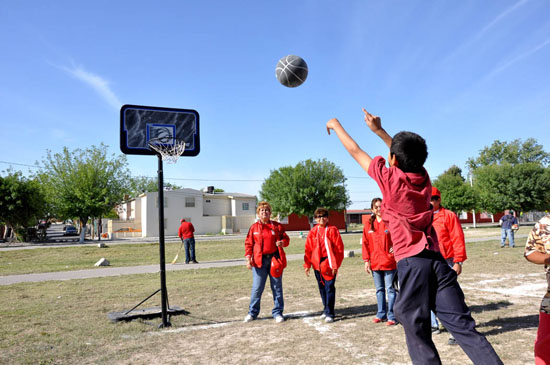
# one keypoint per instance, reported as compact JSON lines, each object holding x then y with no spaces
{"x":481,"y":220}
{"x":296,"y":223}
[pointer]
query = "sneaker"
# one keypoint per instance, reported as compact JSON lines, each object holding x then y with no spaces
{"x":329,"y":320}
{"x":391,"y":323}
{"x":435,"y":331}
{"x":452,"y":341}
{"x":279,"y":318}
{"x":323,"y":316}
{"x":249,"y":318}
{"x":376,"y":320}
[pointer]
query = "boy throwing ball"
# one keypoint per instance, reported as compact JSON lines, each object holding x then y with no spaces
{"x":426,"y":281}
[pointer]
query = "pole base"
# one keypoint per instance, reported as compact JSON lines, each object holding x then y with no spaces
{"x":145,"y":313}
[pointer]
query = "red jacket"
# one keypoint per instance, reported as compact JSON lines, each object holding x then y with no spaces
{"x":450,"y":235}
{"x":332,"y":242}
{"x":254,"y":245}
{"x":378,"y":247}
{"x":186,"y":230}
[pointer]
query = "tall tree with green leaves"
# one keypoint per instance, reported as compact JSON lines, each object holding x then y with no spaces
{"x":305,"y":187}
{"x":22,"y":203}
{"x":512,"y":153}
{"x":456,"y":194}
{"x":521,"y":187}
{"x":144,"y":184}
{"x":512,"y":175}
{"x":85,"y":183}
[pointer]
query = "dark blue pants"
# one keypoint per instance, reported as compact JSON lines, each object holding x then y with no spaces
{"x":428,"y":283}
{"x":328,"y":293}
{"x":189,"y":244}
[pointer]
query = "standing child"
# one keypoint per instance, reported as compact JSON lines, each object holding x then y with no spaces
{"x":426,"y":281}
{"x":324,"y":251}
{"x":378,"y":256}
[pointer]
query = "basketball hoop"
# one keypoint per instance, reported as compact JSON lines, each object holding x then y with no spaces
{"x":170,"y":149}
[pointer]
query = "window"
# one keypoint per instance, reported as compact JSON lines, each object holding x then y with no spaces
{"x":245,"y":206}
{"x":190,"y":202}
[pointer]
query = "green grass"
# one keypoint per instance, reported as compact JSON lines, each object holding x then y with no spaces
{"x":84,"y":257}
{"x":65,"y":322}
{"x":51,"y":259}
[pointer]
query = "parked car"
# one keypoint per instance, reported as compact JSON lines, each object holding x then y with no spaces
{"x":70,"y":231}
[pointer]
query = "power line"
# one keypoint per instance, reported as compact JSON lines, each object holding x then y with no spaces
{"x":20,"y":164}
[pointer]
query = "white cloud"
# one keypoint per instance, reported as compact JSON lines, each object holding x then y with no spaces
{"x":477,"y":37}
{"x":96,"y":82}
{"x":516,"y":59}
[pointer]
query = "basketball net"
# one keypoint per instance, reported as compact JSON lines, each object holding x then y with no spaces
{"x":170,"y":152}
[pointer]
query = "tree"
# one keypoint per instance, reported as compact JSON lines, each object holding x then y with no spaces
{"x":522,"y":187}
{"x":305,"y":187}
{"x":512,"y":175}
{"x":513,"y":153}
{"x":456,"y":193}
{"x":144,"y":184}
{"x":84,"y":183}
{"x":21,"y":203}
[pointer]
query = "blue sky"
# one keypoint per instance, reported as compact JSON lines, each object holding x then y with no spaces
{"x":460,"y":73}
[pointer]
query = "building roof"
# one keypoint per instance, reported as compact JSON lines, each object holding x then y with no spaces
{"x":230,"y":195}
{"x":359,"y":211}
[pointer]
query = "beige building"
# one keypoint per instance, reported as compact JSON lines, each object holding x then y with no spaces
{"x":210,"y":213}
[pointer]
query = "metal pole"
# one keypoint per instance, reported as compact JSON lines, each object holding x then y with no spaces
{"x":473,"y":210}
{"x":164,"y":294}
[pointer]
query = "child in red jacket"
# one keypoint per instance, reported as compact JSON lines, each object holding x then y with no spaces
{"x":378,"y":257}
{"x":324,"y":250}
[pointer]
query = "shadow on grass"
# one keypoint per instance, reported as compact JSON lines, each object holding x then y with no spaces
{"x":344,"y":314}
{"x":490,"y":306}
{"x":502,"y":325}
{"x":509,"y":324}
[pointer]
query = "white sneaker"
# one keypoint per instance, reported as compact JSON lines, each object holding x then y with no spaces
{"x":279,"y":318}
{"x":249,"y":318}
{"x":329,"y":320}
{"x":322,"y":316}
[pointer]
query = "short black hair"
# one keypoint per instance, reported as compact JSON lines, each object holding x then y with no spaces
{"x":410,"y":151}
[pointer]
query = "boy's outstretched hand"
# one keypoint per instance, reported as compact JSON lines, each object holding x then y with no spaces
{"x":372,"y":121}
{"x":331,"y":124}
{"x":375,"y":125}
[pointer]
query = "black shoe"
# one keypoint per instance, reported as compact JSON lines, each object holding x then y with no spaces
{"x":452,"y":341}
{"x":195,"y":262}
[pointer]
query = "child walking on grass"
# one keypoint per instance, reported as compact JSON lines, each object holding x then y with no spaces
{"x":425,"y":279}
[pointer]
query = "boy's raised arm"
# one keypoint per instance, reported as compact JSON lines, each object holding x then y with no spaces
{"x":375,"y":125}
{"x":353,"y":148}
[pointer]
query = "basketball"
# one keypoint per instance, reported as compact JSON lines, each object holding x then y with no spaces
{"x":291,"y":71}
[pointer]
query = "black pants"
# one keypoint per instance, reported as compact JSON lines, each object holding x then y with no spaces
{"x":428,"y":283}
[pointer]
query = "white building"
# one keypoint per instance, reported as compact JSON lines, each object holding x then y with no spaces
{"x":210,"y":212}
